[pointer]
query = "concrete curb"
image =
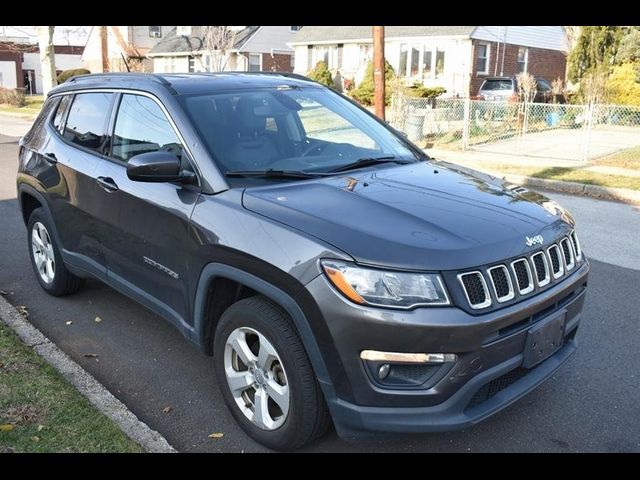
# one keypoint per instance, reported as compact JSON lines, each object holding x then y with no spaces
{"x":84,"y":382}
{"x":620,"y":194}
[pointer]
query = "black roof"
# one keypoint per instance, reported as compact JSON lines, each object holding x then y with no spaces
{"x":185,"y":83}
{"x":174,"y":43}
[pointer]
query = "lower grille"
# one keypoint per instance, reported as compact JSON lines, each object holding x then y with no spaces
{"x":496,"y":385}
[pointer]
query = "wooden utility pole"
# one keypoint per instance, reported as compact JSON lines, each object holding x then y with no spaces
{"x":378,"y":70}
{"x":104,"y":48}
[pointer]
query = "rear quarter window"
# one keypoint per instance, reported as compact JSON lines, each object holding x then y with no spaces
{"x":36,"y":133}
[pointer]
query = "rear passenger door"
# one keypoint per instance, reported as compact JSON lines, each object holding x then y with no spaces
{"x":146,"y":225}
{"x":76,"y":147}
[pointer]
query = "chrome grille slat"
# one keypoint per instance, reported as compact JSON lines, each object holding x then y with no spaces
{"x":522,"y":287}
{"x":567,"y":253}
{"x":576,"y":245}
{"x":553,"y":252}
{"x":498,"y":275}
{"x":470,"y":285}
{"x":541,"y":267}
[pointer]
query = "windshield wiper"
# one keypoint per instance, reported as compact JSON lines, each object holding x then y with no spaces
{"x":365,"y":162}
{"x":271,"y":173}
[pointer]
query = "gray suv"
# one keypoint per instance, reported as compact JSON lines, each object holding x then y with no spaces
{"x":502,"y":89}
{"x":332,"y":269}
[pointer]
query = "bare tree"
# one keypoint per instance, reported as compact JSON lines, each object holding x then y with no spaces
{"x":526,"y":86}
{"x":217,"y":43}
{"x":47,"y":58}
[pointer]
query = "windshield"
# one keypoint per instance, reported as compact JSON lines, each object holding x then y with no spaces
{"x":292,"y":129}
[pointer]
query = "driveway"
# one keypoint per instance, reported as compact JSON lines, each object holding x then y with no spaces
{"x":591,"y":404}
{"x":567,"y":144}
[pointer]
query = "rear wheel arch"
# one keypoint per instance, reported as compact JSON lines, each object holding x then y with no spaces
{"x":29,"y":201}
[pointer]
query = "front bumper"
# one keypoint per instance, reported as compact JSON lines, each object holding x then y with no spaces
{"x":487,"y":377}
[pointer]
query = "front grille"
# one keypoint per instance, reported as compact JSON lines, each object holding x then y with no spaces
{"x":496,"y":385}
{"x":567,"y":252}
{"x":475,"y":288}
{"x":501,"y":281}
{"x":541,"y":268}
{"x":523,"y":276}
{"x":556,"y":263}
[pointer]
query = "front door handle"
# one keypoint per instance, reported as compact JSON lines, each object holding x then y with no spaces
{"x":107,"y":183}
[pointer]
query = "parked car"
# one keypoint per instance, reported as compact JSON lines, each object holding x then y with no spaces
{"x":502,"y":89}
{"x":332,"y":269}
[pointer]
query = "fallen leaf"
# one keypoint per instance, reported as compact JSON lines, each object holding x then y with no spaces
{"x":2,"y":292}
{"x":40,"y":428}
{"x":216,"y":435}
{"x":23,"y":310}
{"x":35,"y":439}
{"x":167,"y":409}
{"x":91,"y":355}
{"x":7,"y":427}
{"x":98,"y":320}
{"x":69,"y":322}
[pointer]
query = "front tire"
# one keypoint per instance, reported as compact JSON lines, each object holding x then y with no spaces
{"x":265,"y":376}
{"x":46,"y":260}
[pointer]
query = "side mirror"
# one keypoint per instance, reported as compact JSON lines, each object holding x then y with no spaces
{"x":156,"y":167}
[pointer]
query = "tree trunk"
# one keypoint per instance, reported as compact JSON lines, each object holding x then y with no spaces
{"x":47,"y":58}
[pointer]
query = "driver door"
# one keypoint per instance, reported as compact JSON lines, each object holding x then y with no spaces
{"x":146,"y":225}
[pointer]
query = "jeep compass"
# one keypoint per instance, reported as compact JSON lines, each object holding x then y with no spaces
{"x":333,"y":270}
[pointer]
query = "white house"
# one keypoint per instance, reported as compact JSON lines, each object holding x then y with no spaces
{"x":454,"y":57}
{"x":255,"y":48}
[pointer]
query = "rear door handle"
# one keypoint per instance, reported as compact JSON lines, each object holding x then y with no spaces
{"x":50,"y":157}
{"x":107,"y":183}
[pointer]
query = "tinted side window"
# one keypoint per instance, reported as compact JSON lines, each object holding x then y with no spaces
{"x":543,"y":86}
{"x":63,"y":106}
{"x":141,"y":127}
{"x":87,"y":120}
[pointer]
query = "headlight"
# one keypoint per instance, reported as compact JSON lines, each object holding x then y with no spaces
{"x":385,"y":288}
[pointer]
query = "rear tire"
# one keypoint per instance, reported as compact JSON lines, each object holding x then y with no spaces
{"x":51,"y":273}
{"x":261,"y":326}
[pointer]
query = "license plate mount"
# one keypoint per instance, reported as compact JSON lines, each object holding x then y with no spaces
{"x":544,"y":339}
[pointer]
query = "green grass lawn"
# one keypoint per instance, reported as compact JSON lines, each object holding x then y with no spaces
{"x":629,"y":158}
{"x":565,"y":174}
{"x":31,"y":109}
{"x":41,"y":412}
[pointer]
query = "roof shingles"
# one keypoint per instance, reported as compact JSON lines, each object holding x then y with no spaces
{"x":172,"y":43}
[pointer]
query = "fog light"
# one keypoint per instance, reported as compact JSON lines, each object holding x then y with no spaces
{"x":397,"y":357}
{"x":383,"y":371}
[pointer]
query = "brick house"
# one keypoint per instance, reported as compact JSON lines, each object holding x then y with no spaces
{"x":256,"y":48}
{"x":457,"y":58}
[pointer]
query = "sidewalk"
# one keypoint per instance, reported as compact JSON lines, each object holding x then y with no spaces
{"x":14,"y":125}
{"x":567,"y":176}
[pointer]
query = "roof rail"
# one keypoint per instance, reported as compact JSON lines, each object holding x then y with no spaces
{"x":122,"y":75}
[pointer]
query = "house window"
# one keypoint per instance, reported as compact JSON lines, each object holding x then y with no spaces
{"x":427,"y":69}
{"x":292,"y":62}
{"x":340,"y":54}
{"x":255,"y":60}
{"x":404,"y":56}
{"x":327,"y":54}
{"x":295,"y":29}
{"x":192,"y":64}
{"x":155,"y":32}
{"x":409,"y":60}
{"x":310,"y":57}
{"x":482,"y":58}
{"x":439,"y":62}
{"x":170,"y":64}
{"x":523,"y":59}
{"x":365,"y":54}
{"x":183,"y":31}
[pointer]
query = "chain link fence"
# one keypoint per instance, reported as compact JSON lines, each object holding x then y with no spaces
{"x":568,"y":132}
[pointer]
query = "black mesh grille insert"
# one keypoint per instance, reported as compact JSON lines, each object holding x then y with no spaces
{"x":541,"y":267}
{"x":555,"y":260}
{"x":574,"y":240}
{"x":522,"y":275}
{"x":500,"y":282}
{"x":472,"y":283}
{"x":497,"y":385}
{"x":566,"y":250}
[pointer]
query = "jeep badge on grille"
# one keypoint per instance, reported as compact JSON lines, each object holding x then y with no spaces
{"x":537,"y":240}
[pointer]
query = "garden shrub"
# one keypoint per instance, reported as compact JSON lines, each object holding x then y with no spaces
{"x":12,"y":96}
{"x":364,"y":94}
{"x":322,"y":75}
{"x":74,"y":72}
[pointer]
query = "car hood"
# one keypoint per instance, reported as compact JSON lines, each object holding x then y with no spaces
{"x":421,"y":216}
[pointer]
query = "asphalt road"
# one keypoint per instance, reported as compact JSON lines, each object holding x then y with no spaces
{"x":590,"y":405}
